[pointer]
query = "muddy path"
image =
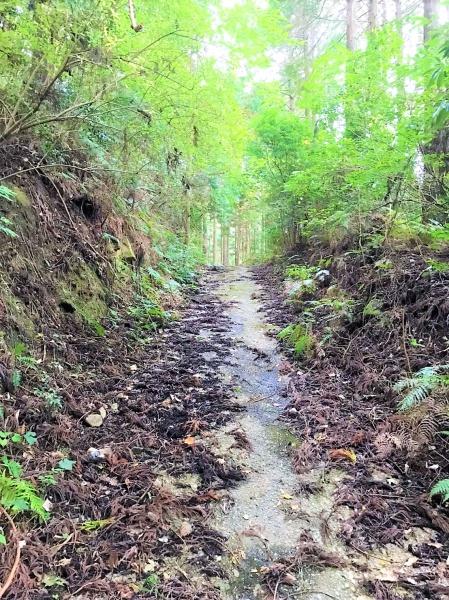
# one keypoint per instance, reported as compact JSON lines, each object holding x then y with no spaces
{"x":189,"y":489}
{"x":266,"y":518}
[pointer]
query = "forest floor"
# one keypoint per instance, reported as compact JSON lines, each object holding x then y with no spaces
{"x":209,"y":477}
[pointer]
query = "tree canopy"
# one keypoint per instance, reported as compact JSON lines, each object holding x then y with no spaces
{"x":254,"y":122}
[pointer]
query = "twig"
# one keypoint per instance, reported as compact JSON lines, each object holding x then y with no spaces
{"x":132,"y":17}
{"x":15,"y":565}
{"x":404,"y":343}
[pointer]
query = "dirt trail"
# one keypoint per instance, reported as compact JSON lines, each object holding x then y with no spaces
{"x":267,"y":516}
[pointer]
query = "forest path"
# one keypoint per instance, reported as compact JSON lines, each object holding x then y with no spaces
{"x":266,"y":516}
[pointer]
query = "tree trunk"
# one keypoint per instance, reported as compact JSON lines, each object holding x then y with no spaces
{"x":398,"y":9}
{"x":350,"y":38}
{"x":433,"y":186}
{"x":372,"y":14}
{"x":214,"y":240}
{"x":187,"y":220}
{"x":430,"y":14}
{"x":226,"y":245}
{"x":204,"y":230}
{"x":237,"y":244}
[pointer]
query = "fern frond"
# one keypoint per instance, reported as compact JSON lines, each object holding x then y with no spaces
{"x":420,"y":386}
{"x":19,"y":495}
{"x":416,"y":395}
{"x":441,"y":489}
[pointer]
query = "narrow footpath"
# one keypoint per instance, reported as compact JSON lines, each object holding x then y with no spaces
{"x":266,"y":519}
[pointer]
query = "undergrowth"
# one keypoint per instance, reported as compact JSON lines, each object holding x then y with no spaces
{"x":419,"y":386}
{"x":299,"y":338}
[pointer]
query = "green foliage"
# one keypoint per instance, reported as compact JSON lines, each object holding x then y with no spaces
{"x":6,"y":193}
{"x":66,"y":464}
{"x":300,"y":272}
{"x":384,"y":264}
{"x":95,"y":525}
{"x":148,"y":314}
{"x":151,"y":584}
{"x":50,"y":580}
{"x":421,"y":385}
{"x":299,"y":338}
{"x":438,"y":266}
{"x":17,"y":494}
{"x":51,"y":478}
{"x":16,"y":378}
{"x":441,"y":488}
{"x":7,"y":437}
{"x":51,"y":397}
{"x":339,"y":306}
{"x":5,"y":227}
{"x":372,"y":308}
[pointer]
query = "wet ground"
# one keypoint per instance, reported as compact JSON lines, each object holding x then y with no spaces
{"x":266,"y":515}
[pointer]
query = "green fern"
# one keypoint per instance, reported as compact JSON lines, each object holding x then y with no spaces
{"x":5,"y":227}
{"x":421,"y":385}
{"x":19,"y":495}
{"x":441,"y":489}
{"x":7,"y":194}
{"x":298,"y":337}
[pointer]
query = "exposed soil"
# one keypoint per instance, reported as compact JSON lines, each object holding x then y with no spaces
{"x":123,"y":516}
{"x":191,"y":487}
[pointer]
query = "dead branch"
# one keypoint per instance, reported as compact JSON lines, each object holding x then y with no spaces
{"x":15,"y":566}
{"x":132,"y":15}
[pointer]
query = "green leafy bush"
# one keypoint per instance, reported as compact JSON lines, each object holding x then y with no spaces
{"x":300,"y":272}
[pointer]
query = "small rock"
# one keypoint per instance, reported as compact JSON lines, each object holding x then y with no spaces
{"x":197,"y":379}
{"x":289,"y":579}
{"x":185,"y":529}
{"x":150,"y":566}
{"x":102,"y":412}
{"x":98,"y":454}
{"x":47,"y":505}
{"x":95,"y":454}
{"x":293,"y":411}
{"x":94,"y":420}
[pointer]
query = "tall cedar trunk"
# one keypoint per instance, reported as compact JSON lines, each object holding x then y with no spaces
{"x":226,"y":247}
{"x":204,"y":230}
{"x":214,"y":240}
{"x":384,"y":17}
{"x":187,"y":220}
{"x":372,"y":14}
{"x":237,"y":244}
{"x":350,"y":121}
{"x":430,"y":14}
{"x":433,"y":187}
{"x":350,"y":37}
{"x":398,"y":9}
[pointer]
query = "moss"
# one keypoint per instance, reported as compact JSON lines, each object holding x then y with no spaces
{"x":19,"y":323}
{"x":84,"y":291}
{"x":20,"y":197}
{"x":125,"y":251}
